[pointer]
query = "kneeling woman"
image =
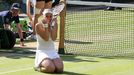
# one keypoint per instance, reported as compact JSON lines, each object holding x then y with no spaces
{"x":47,"y":59}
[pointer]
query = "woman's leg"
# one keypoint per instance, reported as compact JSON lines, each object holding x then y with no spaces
{"x":58,"y":65}
{"x":47,"y":66}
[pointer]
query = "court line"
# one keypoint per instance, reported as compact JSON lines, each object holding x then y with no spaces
{"x":16,"y":70}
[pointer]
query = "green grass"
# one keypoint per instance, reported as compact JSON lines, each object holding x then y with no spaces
{"x":110,"y":33}
{"x":22,"y":64}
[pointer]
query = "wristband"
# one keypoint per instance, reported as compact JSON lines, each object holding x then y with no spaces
{"x":45,"y":25}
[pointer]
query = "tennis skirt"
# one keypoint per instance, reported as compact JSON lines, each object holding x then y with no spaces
{"x":42,"y":54}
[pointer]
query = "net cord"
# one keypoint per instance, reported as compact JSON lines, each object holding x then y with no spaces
{"x":89,"y":3}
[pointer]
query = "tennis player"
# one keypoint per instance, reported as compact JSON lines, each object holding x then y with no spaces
{"x":7,"y":17}
{"x":47,"y":59}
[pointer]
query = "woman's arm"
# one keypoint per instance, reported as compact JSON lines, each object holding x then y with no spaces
{"x":42,"y":31}
{"x":54,"y":30}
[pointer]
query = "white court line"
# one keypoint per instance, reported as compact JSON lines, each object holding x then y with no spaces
{"x":16,"y":70}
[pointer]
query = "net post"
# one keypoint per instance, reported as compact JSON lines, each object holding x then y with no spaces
{"x":62,"y":26}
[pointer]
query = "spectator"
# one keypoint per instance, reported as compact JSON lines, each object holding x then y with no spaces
{"x":7,"y":17}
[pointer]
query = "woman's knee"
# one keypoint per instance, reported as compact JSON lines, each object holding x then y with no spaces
{"x":59,"y":70}
{"x":47,"y":66}
{"x":47,"y":69}
{"x":58,"y":65}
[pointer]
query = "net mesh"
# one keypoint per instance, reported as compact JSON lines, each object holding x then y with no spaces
{"x":93,"y":30}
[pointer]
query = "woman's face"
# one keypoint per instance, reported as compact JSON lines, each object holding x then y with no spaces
{"x":49,"y":16}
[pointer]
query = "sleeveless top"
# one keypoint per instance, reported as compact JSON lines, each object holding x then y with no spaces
{"x":44,"y":45}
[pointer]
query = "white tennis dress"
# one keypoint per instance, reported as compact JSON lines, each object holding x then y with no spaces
{"x":45,"y":49}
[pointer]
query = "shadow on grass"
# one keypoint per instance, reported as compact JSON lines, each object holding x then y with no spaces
{"x":67,"y":73}
{"x":17,"y":53}
{"x":73,"y":73}
{"x":74,"y":58}
{"x":128,"y":57}
{"x":31,"y":55}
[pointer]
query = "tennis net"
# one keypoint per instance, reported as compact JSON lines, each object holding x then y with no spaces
{"x":99,"y":29}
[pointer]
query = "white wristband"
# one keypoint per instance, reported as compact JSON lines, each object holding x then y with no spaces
{"x":45,"y":25}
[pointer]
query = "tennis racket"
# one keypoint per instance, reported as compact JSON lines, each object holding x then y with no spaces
{"x":57,"y":9}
